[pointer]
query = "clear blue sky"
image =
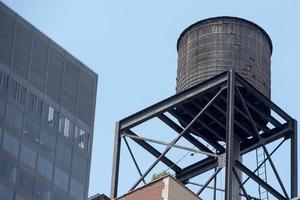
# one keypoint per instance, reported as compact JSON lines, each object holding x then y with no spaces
{"x":132,"y":46}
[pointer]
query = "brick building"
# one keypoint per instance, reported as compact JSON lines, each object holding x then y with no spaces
{"x":165,"y":188}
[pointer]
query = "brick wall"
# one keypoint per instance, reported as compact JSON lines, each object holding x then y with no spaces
{"x":152,"y":191}
{"x":177,"y":191}
{"x":166,"y":188}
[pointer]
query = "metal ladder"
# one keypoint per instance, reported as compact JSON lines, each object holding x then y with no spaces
{"x":262,"y":173}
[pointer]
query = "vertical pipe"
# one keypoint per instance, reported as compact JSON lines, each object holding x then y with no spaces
{"x":116,"y":162}
{"x":229,"y":134}
{"x":294,"y":162}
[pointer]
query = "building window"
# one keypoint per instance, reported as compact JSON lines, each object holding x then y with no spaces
{"x":67,"y":127}
{"x":28,"y":156}
{"x":13,"y":117}
{"x":81,"y":138}
{"x":79,"y":167}
{"x":17,"y":91}
{"x":31,"y":130}
{"x":50,"y":116}
{"x":8,"y":169}
{"x":61,"y":124}
{"x":19,"y":197}
{"x":59,"y":194}
{"x":45,"y":167}
{"x":22,"y":95}
{"x":61,"y":179}
{"x":3,"y":81}
{"x":6,"y":193}
{"x":25,"y":181}
{"x":35,"y":104}
{"x":2,"y":107}
{"x":76,"y":190}
{"x":11,"y":144}
{"x":41,"y":191}
{"x":63,"y":155}
{"x":47,"y":142}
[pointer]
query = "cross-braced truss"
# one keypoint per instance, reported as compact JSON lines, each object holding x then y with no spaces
{"x":223,"y":111}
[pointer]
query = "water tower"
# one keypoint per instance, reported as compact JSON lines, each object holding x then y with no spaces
{"x":222,"y":107}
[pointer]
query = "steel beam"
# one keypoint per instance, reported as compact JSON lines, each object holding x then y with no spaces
{"x":220,"y":190}
{"x":264,"y":99}
{"x":209,"y":180}
{"x":240,"y":183}
{"x":173,"y":142}
{"x":238,"y":110}
{"x":236,"y":122}
{"x":208,"y":187}
{"x":248,"y":115}
{"x":229,"y":135}
{"x":217,"y":121}
{"x":215,"y":187}
{"x":275,"y":171}
{"x":188,"y":136}
{"x":212,"y":131}
{"x":274,"y":150}
{"x":270,"y":118}
{"x":175,"y":146}
{"x":116,"y":162}
{"x":294,"y":161}
{"x":213,"y":143}
{"x":267,"y":138}
{"x":154,"y":152}
{"x":170,"y":102}
{"x":133,"y":159}
{"x":197,"y":169}
{"x":259,"y":181}
{"x":262,"y":144}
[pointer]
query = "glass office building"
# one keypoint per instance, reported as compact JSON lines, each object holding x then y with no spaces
{"x":47,"y":107}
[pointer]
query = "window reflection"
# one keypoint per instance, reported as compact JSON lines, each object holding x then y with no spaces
{"x":81,"y":138}
{"x":31,"y":130}
{"x":11,"y":144}
{"x":63,"y":156}
{"x":52,"y":117}
{"x":6,"y":192}
{"x":45,"y":167}
{"x":13,"y":117}
{"x":47,"y":142}
{"x":61,"y":179}
{"x":28,"y":156}
{"x":8,"y":169}
{"x":65,"y":126}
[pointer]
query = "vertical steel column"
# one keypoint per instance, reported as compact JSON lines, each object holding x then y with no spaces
{"x":116,"y":162}
{"x":215,"y":187}
{"x":294,"y":161}
{"x":229,"y":135}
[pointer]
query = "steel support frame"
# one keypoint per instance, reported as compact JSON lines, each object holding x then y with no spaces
{"x":258,"y":136}
{"x":259,"y":181}
{"x":229,"y":80}
{"x":133,"y":159}
{"x":173,"y":142}
{"x":229,"y":135}
{"x":116,"y":162}
{"x":294,"y":161}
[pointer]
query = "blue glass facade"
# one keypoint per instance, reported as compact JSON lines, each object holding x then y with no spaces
{"x":47,"y":107}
